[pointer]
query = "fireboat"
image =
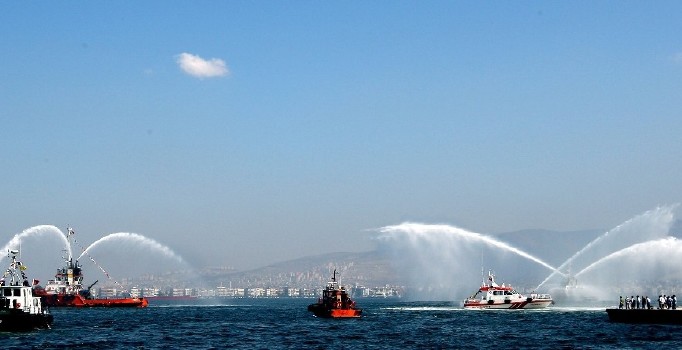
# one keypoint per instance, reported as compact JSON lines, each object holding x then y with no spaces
{"x":20,"y":310}
{"x":493,"y":296}
{"x":335,"y":302}
{"x":66,"y":289}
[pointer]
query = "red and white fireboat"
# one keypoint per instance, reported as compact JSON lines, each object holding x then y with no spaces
{"x":493,"y":296}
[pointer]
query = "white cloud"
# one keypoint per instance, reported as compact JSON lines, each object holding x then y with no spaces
{"x":201,"y":68}
{"x":677,"y":58}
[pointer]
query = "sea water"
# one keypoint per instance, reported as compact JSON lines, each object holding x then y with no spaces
{"x":386,"y":324}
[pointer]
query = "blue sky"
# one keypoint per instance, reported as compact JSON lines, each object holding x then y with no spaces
{"x":296,"y":127}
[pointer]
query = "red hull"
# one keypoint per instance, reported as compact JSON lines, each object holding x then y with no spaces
{"x":341,"y":313}
{"x":321,"y":310}
{"x":64,"y":300}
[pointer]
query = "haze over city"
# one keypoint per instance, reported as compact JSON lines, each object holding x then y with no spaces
{"x":247,"y":133}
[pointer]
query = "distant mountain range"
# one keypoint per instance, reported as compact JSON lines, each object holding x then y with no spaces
{"x":382,"y":267}
{"x":378,"y":268}
{"x":375,"y":268}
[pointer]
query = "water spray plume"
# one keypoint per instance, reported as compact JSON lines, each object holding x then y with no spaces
{"x":652,"y":224}
{"x":415,"y":232}
{"x":36,"y":231}
{"x":134,"y":238}
{"x":647,"y":254}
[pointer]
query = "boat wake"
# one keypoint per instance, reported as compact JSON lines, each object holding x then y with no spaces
{"x":212,"y":305}
{"x":461,"y":309}
{"x":423,"y":308}
{"x":577,"y":308}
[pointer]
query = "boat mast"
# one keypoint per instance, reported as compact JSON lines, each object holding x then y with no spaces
{"x":68,"y":238}
{"x":14,"y":266}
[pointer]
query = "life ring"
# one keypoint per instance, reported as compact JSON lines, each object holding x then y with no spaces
{"x":17,"y":305}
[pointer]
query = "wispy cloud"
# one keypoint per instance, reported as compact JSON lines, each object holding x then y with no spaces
{"x":201,"y":68}
{"x":677,"y":58}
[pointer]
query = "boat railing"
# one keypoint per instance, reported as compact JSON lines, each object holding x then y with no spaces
{"x":541,"y":296}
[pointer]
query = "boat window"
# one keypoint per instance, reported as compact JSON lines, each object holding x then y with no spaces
{"x":7,"y":292}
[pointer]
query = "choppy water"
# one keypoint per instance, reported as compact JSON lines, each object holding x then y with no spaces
{"x":387,"y":324}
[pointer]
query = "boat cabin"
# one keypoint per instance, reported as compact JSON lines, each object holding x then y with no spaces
{"x":19,"y":298}
{"x":494,"y":294}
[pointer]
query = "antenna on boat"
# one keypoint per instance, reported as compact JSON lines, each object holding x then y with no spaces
{"x":67,"y":251}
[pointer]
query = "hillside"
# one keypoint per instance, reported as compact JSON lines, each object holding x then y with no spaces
{"x":378,"y":268}
{"x":447,"y":269}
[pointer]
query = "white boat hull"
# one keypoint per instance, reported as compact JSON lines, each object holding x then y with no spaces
{"x":534,"y":304}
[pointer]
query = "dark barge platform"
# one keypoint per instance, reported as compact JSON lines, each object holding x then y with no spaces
{"x":645,"y":316}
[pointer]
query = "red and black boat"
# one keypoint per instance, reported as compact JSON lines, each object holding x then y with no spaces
{"x":66,"y":289}
{"x":335,"y":302}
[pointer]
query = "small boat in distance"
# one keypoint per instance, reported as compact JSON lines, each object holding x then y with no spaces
{"x":335,"y":302}
{"x":20,"y":310}
{"x":493,"y":296}
{"x":66,"y":289}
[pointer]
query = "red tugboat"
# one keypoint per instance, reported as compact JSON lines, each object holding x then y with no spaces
{"x":20,"y":310}
{"x":335,"y":302}
{"x":66,"y":289}
{"x":494,"y":296}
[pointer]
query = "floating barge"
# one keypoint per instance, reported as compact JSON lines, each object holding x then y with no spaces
{"x":645,"y":316}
